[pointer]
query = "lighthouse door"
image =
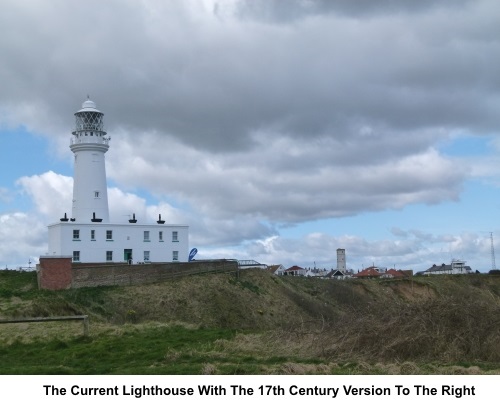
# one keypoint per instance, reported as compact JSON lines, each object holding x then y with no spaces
{"x":127,"y":255}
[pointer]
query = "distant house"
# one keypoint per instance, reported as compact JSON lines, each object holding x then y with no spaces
{"x":339,"y":275}
{"x":316,"y":273}
{"x":456,"y":267}
{"x":295,"y":271}
{"x":370,"y":272}
{"x":393,"y":273}
{"x":276,"y":269}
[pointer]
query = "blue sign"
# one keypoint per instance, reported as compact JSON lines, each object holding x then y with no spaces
{"x":192,"y":254}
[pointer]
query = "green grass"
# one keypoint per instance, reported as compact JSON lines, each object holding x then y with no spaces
{"x":178,"y":350}
{"x":143,"y":350}
{"x":246,"y":284}
{"x":21,"y":284}
{"x":151,"y":350}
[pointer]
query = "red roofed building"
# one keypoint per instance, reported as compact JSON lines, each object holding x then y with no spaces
{"x":369,"y":272}
{"x":393,"y":273}
{"x":295,"y":271}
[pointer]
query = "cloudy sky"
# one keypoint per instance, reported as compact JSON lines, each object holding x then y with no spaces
{"x":277,"y":130}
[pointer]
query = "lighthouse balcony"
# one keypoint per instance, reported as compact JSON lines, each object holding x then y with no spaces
{"x":90,"y":127}
{"x":88,"y":139}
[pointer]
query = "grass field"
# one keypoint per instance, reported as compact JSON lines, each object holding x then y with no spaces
{"x":258,"y":324}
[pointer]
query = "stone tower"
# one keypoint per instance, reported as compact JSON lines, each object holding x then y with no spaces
{"x":341,"y":260}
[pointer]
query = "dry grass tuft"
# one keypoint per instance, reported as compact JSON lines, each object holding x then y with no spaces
{"x":208,"y":369}
{"x":409,"y":368}
{"x":448,"y":330}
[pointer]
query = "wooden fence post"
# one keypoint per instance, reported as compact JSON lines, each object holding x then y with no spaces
{"x":85,"y":325}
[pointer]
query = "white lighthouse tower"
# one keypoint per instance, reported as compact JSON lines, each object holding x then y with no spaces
{"x":89,"y":144}
{"x":89,"y":236}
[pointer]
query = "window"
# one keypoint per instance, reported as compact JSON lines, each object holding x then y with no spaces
{"x":92,"y":234}
{"x":146,"y":236}
{"x":76,"y":255}
{"x":96,"y":194}
{"x":109,"y":256}
{"x":76,"y":234}
{"x":175,"y":236}
{"x":109,"y":235}
{"x":175,"y":255}
{"x":146,"y":255}
{"x":160,"y":236}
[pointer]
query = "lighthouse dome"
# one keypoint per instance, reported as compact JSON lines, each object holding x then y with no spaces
{"x":89,"y":105}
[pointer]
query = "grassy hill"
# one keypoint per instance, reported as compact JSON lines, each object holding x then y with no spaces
{"x":257,"y":323}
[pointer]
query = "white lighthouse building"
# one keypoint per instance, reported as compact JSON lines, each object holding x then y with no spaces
{"x":89,"y":144}
{"x":88,"y":236}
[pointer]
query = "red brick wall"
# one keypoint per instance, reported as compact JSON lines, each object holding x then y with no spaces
{"x":61,"y":273}
{"x":55,"y":273}
{"x":122,"y":274}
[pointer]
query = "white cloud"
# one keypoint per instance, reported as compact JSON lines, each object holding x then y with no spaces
{"x":50,"y":192}
{"x":24,"y":235}
{"x":124,"y":205}
{"x":22,"y":239}
{"x":320,"y":249}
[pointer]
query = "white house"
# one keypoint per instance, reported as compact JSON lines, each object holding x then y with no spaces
{"x":88,"y":236}
{"x":295,"y":271}
{"x":339,"y":275}
{"x":456,"y":267}
{"x":316,"y":273}
{"x":276,"y":269}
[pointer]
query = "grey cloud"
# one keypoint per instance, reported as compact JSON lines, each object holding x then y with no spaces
{"x":424,"y":237}
{"x":225,"y":232}
{"x":291,"y":10}
{"x":213,"y":84}
{"x":249,"y":184}
{"x":282,"y":123}
{"x":399,"y":232}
